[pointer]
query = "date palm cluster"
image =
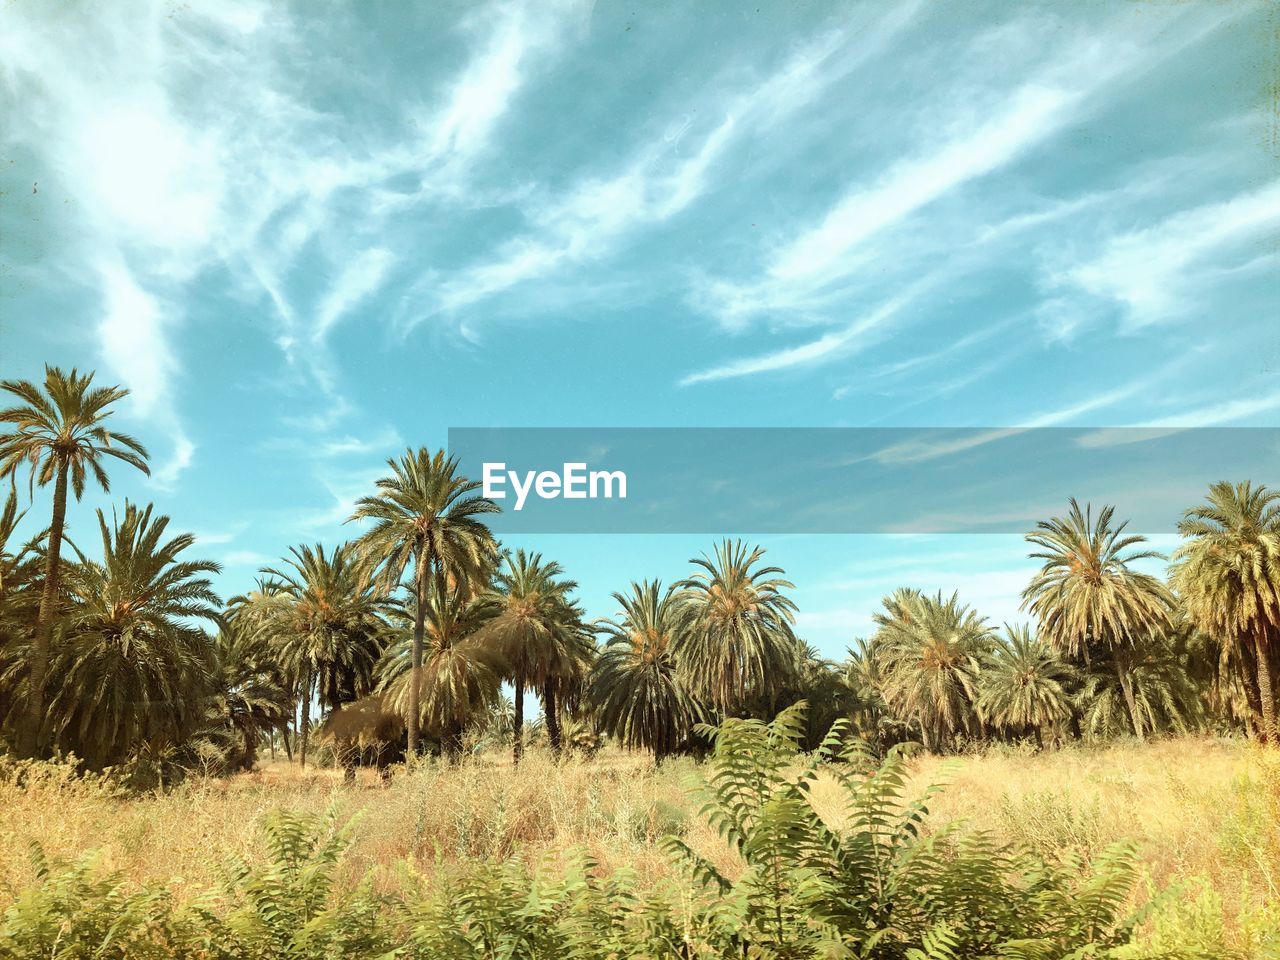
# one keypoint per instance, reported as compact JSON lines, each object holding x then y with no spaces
{"x":406,"y":637}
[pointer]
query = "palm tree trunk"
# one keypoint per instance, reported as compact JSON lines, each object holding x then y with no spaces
{"x":288,"y":743}
{"x":1132,"y":704}
{"x":347,"y":754}
{"x":31,"y":742}
{"x":1266,"y":692}
{"x":250,"y":749}
{"x":304,"y":722}
{"x":552,"y":715}
{"x":517,"y":721}
{"x":415,"y":672}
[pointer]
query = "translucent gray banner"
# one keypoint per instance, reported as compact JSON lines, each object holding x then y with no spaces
{"x":836,"y":480}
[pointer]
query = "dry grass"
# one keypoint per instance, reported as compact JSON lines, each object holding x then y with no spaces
{"x":1195,"y":808}
{"x":614,"y":809}
{"x":1203,"y":814}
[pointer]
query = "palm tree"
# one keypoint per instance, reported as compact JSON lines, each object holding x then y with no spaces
{"x":864,"y":679}
{"x":930,"y":653}
{"x":426,"y":519}
{"x":60,"y":433}
{"x":1228,"y":576}
{"x":331,"y":631}
{"x":1024,"y":684}
{"x":539,"y":633}
{"x":134,"y":672}
{"x":498,"y":721}
{"x":461,"y":673}
{"x":252,"y":696}
{"x":820,"y":683}
{"x":563,"y":689}
{"x":19,"y":573}
{"x":1160,"y":684}
{"x":12,"y":565}
{"x":1087,"y":598}
{"x":738,"y":642}
{"x":253,"y":615}
{"x":635,"y":688}
{"x":19,"y":603}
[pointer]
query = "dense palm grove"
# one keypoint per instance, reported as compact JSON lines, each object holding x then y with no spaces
{"x":115,"y":649}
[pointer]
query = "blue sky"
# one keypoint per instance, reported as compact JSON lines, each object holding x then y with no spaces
{"x":308,"y":235}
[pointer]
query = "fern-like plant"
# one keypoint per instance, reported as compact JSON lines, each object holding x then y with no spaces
{"x":880,"y":886}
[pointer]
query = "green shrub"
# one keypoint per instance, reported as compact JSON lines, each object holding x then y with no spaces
{"x":879,"y":887}
{"x":287,"y":907}
{"x":1249,"y":834}
{"x":76,"y":911}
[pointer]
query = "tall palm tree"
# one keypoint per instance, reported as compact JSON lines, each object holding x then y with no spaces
{"x":864,"y":678}
{"x":637,"y":693}
{"x":563,"y":689}
{"x":252,"y":695}
{"x":821,"y":684}
{"x":134,"y":670}
{"x":331,"y":631}
{"x":1088,"y":599}
{"x":461,"y":673}
{"x":253,"y":615}
{"x":1160,"y":683}
{"x":60,"y":433}
{"x":738,"y":642}
{"x":539,"y":633}
{"x":497,"y":722}
{"x":930,"y":654}
{"x":1024,"y":684}
{"x":1228,"y":576}
{"x":426,"y":519}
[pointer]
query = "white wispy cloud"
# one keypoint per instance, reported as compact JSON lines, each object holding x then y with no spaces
{"x":662,"y":179}
{"x":1162,"y":272}
{"x":995,"y":593}
{"x":188,"y":141}
{"x":359,"y":278}
{"x":870,"y":326}
{"x":1209,"y":415}
{"x":899,"y":368}
{"x":245,"y":558}
{"x":183,"y":454}
{"x":342,"y":488}
{"x":224,"y":536}
{"x":800,"y":272}
{"x":132,"y":337}
{"x":815,"y":350}
{"x":918,"y":451}
{"x":815,"y":275}
{"x":1227,"y":411}
{"x":513,"y":40}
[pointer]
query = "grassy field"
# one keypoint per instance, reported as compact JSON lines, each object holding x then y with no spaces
{"x":1204,"y":814}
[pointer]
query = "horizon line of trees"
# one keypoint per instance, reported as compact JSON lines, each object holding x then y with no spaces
{"x":410,"y":630}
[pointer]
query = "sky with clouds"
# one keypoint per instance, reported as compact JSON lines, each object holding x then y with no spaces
{"x":307,"y":235}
